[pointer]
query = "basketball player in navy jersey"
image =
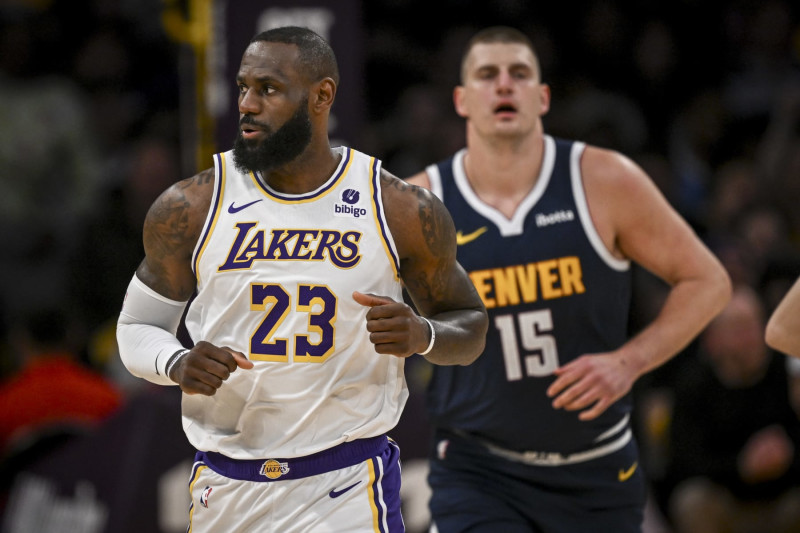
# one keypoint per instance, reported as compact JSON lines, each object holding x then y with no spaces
{"x":536,"y":435}
{"x":296,"y":254}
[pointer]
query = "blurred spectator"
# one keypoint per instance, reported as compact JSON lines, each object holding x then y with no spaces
{"x":733,"y":461}
{"x":606,"y":119}
{"x":48,"y":169}
{"x":761,"y":36}
{"x":694,"y":140}
{"x":734,"y":189}
{"x":778,"y":156}
{"x":52,"y":398}
{"x":419,"y":130}
{"x":52,"y":391}
{"x":111,"y":248}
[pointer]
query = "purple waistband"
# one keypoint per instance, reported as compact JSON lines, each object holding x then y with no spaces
{"x":341,"y":456}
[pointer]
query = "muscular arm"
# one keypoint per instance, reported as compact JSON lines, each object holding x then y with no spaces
{"x":171,"y":230}
{"x":651,"y":233}
{"x":148,"y":320}
{"x":437,"y":284}
{"x":783,"y":328}
{"x":636,"y":222}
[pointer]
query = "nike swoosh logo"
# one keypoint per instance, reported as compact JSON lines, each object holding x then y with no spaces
{"x":469,"y":237}
{"x":234,"y":209}
{"x":625,"y":475}
{"x":336,"y":493}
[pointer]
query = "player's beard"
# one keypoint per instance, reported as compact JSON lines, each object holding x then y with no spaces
{"x":277,"y":148}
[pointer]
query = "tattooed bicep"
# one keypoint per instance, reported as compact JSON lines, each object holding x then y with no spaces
{"x":425,"y":236}
{"x":174,"y":219}
{"x":436,"y":224}
{"x":170,"y":233}
{"x":408,"y":202}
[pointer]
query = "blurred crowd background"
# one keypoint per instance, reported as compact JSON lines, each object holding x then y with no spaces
{"x":704,"y":95}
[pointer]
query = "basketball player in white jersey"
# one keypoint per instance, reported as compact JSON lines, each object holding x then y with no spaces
{"x":296,"y":254}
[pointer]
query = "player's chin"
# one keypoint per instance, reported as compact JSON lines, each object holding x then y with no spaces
{"x":508,"y":127}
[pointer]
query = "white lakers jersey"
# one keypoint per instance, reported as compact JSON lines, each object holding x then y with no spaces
{"x":275,"y":278}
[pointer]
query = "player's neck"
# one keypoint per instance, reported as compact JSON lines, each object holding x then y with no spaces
{"x":503,"y":173}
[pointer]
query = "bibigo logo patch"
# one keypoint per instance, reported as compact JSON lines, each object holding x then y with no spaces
{"x":348,"y":208}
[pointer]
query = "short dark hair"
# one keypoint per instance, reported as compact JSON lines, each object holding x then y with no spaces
{"x":498,"y":34}
{"x":316,"y":55}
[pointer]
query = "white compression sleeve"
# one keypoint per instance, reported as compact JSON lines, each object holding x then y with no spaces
{"x":146,"y":332}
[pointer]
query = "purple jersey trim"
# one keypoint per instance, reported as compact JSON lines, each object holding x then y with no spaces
{"x":341,"y":456}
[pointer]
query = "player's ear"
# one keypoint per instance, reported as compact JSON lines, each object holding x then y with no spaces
{"x":544,"y":99}
{"x":458,"y":101}
{"x":322,"y":95}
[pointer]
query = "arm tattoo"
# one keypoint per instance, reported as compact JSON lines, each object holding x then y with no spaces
{"x":171,"y":229}
{"x":433,"y":286}
{"x":429,"y":284}
{"x":430,"y":221}
{"x":431,"y":225}
{"x":170,"y":224}
{"x":170,"y":236}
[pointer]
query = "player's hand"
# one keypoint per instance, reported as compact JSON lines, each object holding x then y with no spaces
{"x":394,"y":327}
{"x":590,"y":384}
{"x":206,"y":367}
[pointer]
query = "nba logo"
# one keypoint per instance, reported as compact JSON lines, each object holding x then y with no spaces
{"x":204,"y":497}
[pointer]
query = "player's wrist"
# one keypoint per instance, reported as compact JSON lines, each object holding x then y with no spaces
{"x":173,"y":361}
{"x":432,"y":339}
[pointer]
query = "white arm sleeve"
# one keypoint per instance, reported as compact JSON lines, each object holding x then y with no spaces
{"x":146,"y":332}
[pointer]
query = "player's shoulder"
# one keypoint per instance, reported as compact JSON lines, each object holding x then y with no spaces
{"x":195,"y":191}
{"x":186,"y":202}
{"x":412,"y":210}
{"x":400,"y":194}
{"x":611,"y":167}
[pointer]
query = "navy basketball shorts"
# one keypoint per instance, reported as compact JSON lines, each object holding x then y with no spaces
{"x":352,"y":487}
{"x":475,"y":491}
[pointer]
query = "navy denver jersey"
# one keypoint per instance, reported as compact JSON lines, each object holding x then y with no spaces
{"x":553,"y":292}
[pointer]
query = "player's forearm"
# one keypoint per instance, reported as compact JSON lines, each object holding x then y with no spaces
{"x":460,"y":337}
{"x":784,"y":337}
{"x":687,"y":310}
{"x":783,"y":327}
{"x":146,"y":332}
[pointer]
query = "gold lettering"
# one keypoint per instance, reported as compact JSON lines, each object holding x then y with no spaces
{"x":553,"y":278}
{"x":505,"y":287}
{"x":569,"y":268}
{"x":481,"y":280}
{"x":526,"y":279}
{"x":548,"y":279}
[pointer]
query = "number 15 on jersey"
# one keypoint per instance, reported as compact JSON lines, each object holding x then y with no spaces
{"x":531,"y":327}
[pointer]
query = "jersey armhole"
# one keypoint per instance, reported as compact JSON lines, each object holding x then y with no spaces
{"x":212,"y":215}
{"x":585,"y":216}
{"x":381,"y":221}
